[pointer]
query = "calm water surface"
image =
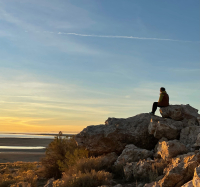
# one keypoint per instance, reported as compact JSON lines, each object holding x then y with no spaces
{"x":21,"y":147}
{"x":26,"y":136}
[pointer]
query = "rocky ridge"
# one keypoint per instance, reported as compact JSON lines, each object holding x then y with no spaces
{"x":156,"y":151}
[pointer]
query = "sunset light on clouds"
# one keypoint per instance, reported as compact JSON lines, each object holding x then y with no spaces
{"x":65,"y":65}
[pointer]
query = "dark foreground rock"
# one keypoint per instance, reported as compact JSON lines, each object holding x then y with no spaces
{"x":116,"y":134}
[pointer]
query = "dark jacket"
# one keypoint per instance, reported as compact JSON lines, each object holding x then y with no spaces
{"x":164,"y":99}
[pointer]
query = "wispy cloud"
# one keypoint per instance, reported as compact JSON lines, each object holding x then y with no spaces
{"x":124,"y":37}
{"x":184,"y":70}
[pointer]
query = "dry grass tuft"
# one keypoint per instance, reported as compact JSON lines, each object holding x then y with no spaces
{"x":88,"y":179}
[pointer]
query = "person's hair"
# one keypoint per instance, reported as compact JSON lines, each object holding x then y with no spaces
{"x":162,"y":89}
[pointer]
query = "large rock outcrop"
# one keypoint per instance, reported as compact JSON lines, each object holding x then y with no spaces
{"x":140,"y":138}
{"x":179,"y":112}
{"x":116,"y":134}
{"x":131,"y":153}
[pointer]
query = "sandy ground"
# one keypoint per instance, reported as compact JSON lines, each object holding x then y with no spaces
{"x":22,"y":155}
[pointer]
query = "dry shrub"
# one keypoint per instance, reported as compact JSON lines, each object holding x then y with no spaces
{"x":17,"y":174}
{"x":88,"y":179}
{"x":60,"y":154}
{"x":85,"y":165}
{"x":159,"y":165}
{"x":157,"y":169}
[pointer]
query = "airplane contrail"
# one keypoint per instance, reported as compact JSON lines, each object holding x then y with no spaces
{"x":125,"y":37}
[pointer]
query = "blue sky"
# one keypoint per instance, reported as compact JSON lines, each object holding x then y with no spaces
{"x":68,"y":64}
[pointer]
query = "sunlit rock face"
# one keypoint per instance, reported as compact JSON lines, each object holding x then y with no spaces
{"x":179,"y":112}
{"x":188,"y":184}
{"x":181,"y":170}
{"x":170,"y":149}
{"x":196,"y":178}
{"x":131,"y":153}
{"x":116,"y":134}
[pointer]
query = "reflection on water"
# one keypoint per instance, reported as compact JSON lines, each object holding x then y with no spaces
{"x":21,"y":147}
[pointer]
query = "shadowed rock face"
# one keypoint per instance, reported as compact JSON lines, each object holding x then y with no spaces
{"x":116,"y":134}
{"x":189,"y":135}
{"x":131,"y":153}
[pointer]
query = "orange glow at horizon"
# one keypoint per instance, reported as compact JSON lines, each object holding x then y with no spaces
{"x":10,"y":124}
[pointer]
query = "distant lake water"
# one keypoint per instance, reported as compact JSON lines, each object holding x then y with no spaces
{"x":21,"y":147}
{"x":26,"y":136}
{"x":27,"y":142}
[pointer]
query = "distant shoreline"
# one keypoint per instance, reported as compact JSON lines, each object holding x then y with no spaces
{"x":13,"y":155}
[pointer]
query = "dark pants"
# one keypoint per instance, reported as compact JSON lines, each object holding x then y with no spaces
{"x":154,"y":107}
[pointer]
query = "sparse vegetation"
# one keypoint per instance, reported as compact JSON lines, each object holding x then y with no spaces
{"x":87,"y":179}
{"x":60,"y":155}
{"x":12,"y":174}
{"x":156,"y":169}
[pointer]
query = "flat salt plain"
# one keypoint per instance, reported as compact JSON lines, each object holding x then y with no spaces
{"x":24,"y":147}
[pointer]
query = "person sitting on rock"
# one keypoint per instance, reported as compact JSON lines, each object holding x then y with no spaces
{"x":162,"y":102}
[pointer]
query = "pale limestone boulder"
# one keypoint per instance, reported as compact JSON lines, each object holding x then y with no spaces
{"x":131,"y":153}
{"x":145,"y":170}
{"x":180,"y":171}
{"x":188,"y":135}
{"x":116,"y":134}
{"x":196,"y":178}
{"x":155,"y":149}
{"x":142,"y":169}
{"x":179,"y":112}
{"x":188,"y":184}
{"x":170,"y":149}
{"x":138,"y":170}
{"x":163,"y":127}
